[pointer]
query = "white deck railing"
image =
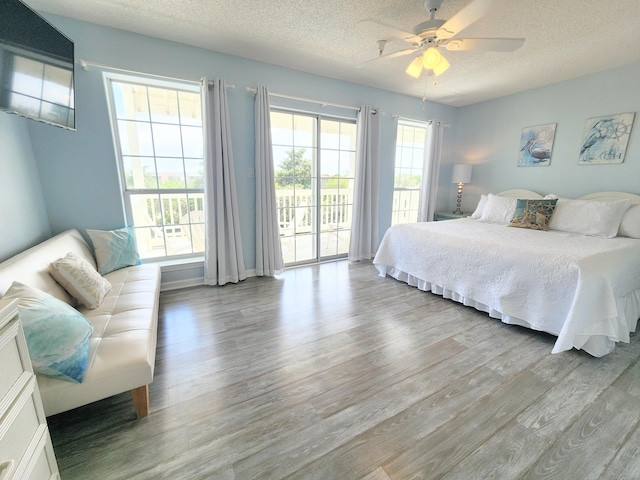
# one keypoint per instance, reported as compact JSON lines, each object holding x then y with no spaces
{"x":295,"y":211}
{"x":297,"y":215}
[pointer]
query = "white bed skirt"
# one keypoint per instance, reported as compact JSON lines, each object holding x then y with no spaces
{"x":597,"y":345}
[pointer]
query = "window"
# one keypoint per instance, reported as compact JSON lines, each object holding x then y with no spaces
{"x":410,"y":144}
{"x":159,"y":144}
{"x":314,"y":164}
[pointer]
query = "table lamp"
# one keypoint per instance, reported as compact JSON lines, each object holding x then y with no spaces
{"x":461,"y":175}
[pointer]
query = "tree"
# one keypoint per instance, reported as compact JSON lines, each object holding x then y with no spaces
{"x":294,"y":170}
{"x":407,"y":180}
{"x":336,"y":182}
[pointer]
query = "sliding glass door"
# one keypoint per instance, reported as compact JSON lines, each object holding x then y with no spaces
{"x":314,"y":163}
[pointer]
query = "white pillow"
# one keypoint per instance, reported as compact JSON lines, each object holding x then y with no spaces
{"x":498,"y":209}
{"x":630,"y":224}
{"x":478,"y":211}
{"x":80,"y":279}
{"x":589,"y":217}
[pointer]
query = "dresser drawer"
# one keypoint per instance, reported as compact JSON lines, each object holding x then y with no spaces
{"x":42,"y":465}
{"x":15,"y":370}
{"x":21,"y":429}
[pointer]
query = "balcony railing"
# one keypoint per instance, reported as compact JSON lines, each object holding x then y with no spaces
{"x":296,"y":212}
{"x":184,"y":218}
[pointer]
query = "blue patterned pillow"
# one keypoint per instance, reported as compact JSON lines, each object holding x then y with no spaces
{"x":114,"y":249}
{"x":534,"y":214}
{"x":57,"y":334}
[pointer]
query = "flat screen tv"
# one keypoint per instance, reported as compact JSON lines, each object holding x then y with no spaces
{"x":36,"y":67}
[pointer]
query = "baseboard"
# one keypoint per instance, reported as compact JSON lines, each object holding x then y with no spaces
{"x":192,"y":282}
{"x":177,"y":284}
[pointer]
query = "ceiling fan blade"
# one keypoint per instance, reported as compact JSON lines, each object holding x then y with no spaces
{"x":399,"y":53}
{"x":465,"y":17}
{"x":484,"y":44}
{"x":395,"y":31}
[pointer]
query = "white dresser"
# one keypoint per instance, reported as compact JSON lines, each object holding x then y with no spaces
{"x":26,"y":452}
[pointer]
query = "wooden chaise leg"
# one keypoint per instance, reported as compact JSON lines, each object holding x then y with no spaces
{"x":141,"y":400}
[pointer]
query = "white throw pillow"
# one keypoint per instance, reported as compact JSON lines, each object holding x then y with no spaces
{"x":477,"y":213}
{"x":498,"y":209}
{"x":630,"y":224}
{"x":80,"y":279}
{"x":589,"y":217}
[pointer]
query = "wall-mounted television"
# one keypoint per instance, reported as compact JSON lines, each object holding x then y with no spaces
{"x":36,"y":67}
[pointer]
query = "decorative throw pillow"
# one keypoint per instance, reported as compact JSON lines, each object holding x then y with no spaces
{"x":498,"y":209}
{"x":630,"y":224}
{"x":80,"y":279}
{"x":534,"y":214}
{"x":114,"y":249}
{"x":481,"y":204}
{"x":57,"y":334}
{"x":589,"y":217}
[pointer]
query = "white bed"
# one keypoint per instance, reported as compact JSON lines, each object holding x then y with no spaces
{"x":583,"y":289}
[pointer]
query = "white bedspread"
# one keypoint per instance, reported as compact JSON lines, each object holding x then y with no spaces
{"x":585,"y":290}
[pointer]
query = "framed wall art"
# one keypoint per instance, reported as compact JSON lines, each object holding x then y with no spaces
{"x":605,"y":139}
{"x":536,"y":145}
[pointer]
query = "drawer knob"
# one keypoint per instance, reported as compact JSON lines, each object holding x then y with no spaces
{"x":5,"y":468}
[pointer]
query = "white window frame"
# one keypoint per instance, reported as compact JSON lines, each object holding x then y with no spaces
{"x":406,"y":200}
{"x":168,"y":230}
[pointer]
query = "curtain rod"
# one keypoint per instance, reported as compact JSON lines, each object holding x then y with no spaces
{"x":85,"y":66}
{"x":395,"y":116}
{"x":309,"y":100}
{"x":211,"y":82}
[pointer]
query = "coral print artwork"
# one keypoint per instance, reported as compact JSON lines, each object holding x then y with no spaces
{"x":536,"y":144}
{"x":605,"y":139}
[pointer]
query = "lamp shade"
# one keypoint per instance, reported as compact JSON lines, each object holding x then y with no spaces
{"x":415,"y":68}
{"x":432,"y":60}
{"x":461,"y":173}
{"x":442,"y":66}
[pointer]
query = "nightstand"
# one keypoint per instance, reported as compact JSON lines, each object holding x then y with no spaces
{"x":449,"y":216}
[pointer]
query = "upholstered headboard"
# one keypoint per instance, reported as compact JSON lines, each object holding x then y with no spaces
{"x":601,"y":196}
{"x":520,"y":193}
{"x":610,"y":196}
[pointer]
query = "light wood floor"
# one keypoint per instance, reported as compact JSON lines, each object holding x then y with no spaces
{"x":332,"y":372}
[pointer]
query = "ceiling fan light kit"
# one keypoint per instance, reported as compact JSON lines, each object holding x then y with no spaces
{"x":430,"y":60}
{"x":429,"y":35}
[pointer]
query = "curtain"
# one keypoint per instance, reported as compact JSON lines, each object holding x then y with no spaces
{"x":223,"y":256}
{"x":268,"y":250}
{"x":364,"y":226}
{"x":430,"y":171}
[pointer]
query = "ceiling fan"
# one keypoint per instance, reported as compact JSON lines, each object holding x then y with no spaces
{"x":430,"y":35}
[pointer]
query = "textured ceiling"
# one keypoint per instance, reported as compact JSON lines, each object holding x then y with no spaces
{"x":564,"y":38}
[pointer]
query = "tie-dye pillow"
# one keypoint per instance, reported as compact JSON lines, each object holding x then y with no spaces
{"x":114,"y":249}
{"x":57,"y":334}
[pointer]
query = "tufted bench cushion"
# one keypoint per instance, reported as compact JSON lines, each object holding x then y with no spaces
{"x":122,"y":347}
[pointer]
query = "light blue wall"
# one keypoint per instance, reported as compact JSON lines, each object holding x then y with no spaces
{"x":23,"y":216}
{"x":80,"y":177}
{"x":488,"y":135}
